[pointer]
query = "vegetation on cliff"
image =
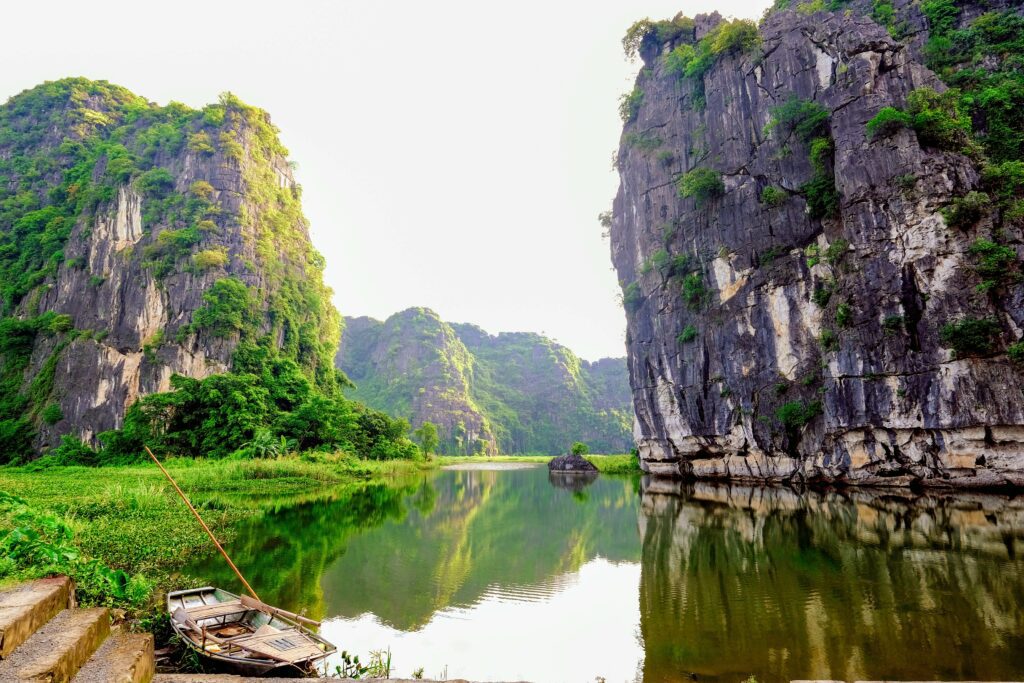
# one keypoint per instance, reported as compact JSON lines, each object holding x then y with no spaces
{"x":68,"y":151}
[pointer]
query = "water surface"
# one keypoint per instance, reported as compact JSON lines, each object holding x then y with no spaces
{"x":515,"y":575}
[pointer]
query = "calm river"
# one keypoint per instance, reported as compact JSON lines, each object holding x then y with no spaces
{"x":507,"y":575}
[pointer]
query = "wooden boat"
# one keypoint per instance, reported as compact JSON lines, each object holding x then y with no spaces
{"x":241,"y":635}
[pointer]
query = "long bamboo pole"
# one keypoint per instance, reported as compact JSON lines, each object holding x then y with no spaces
{"x":206,"y":528}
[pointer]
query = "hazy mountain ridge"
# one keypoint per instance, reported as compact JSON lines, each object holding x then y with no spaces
{"x":512,"y":393}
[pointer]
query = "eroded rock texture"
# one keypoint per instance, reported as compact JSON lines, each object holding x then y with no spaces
{"x":199,"y":197}
{"x":879,"y":399}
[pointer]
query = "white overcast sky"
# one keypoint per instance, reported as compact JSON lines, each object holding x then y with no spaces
{"x":453,"y":154}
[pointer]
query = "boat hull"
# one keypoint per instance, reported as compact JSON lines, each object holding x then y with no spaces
{"x":233,"y":663}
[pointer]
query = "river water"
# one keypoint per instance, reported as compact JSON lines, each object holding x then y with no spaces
{"x":509,"y":574}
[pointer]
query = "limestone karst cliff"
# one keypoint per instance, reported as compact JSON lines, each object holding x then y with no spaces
{"x":817,"y":233}
{"x":138,"y":241}
{"x":509,"y":393}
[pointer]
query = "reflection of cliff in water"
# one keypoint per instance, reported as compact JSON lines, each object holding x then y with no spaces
{"x":786,"y":585}
{"x":572,"y":481}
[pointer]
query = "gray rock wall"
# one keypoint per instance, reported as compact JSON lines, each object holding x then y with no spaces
{"x":106,"y":288}
{"x":896,"y":406}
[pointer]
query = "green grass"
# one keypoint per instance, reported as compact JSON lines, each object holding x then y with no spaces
{"x":129,"y":518}
{"x":626,"y":463}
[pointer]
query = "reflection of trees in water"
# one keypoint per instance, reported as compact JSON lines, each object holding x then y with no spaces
{"x":739,"y":581}
{"x":507,"y":530}
{"x":284,"y":552}
{"x":403,"y":552}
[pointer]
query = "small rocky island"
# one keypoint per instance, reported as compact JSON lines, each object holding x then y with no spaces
{"x":571,"y":462}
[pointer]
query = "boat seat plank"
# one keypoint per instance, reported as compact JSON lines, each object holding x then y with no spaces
{"x":220,"y":609}
{"x":287,"y":645}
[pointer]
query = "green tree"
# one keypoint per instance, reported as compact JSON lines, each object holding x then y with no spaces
{"x":426,"y":435}
{"x":580,"y":448}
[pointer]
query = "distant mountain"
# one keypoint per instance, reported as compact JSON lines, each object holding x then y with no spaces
{"x":510,"y":393}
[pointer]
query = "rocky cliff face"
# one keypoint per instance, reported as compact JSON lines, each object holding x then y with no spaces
{"x":139,"y":241}
{"x":510,"y":393}
{"x":810,"y":297}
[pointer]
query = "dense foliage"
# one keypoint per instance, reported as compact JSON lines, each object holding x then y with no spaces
{"x":267,"y":407}
{"x":37,"y":543}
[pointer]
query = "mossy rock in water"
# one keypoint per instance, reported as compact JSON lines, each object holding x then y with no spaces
{"x":571,"y":463}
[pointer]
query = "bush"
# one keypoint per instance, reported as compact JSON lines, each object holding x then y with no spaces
{"x":964,"y":212}
{"x":835,"y":252}
{"x":768,"y":256}
{"x":738,"y":35}
{"x":201,"y":189}
{"x":887,"y":121}
{"x":703,"y":184}
{"x":632,"y":297}
{"x":829,"y":340}
{"x":821,"y":155}
{"x":689,"y":61}
{"x":883,"y":12}
{"x":645,"y":142}
{"x":995,"y":263}
{"x":773,"y":196}
{"x":821,"y":196}
{"x":210,"y":258}
{"x":688,"y":334}
{"x":629,"y":105}
{"x":201,"y":142}
{"x":661,"y":261}
{"x":804,"y":118}
{"x":71,"y":451}
{"x":579,"y":448}
{"x":937,"y":119}
{"x":893,"y":324}
{"x":844,"y":315}
{"x":40,"y":543}
{"x":796,"y":414}
{"x":694,"y":291}
{"x":51,"y":414}
{"x":822,"y":293}
{"x":645,"y":34}
{"x":229,"y":308}
{"x":970,"y":336}
{"x":156,"y":182}
{"x":16,"y":437}
{"x":1016,"y":352}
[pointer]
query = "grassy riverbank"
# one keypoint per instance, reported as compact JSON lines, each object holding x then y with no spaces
{"x":97,"y":522}
{"x":75,"y":519}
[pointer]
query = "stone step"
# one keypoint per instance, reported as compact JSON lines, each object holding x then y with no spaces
{"x":26,"y":607}
{"x":123,"y":658}
{"x":59,"y":649}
